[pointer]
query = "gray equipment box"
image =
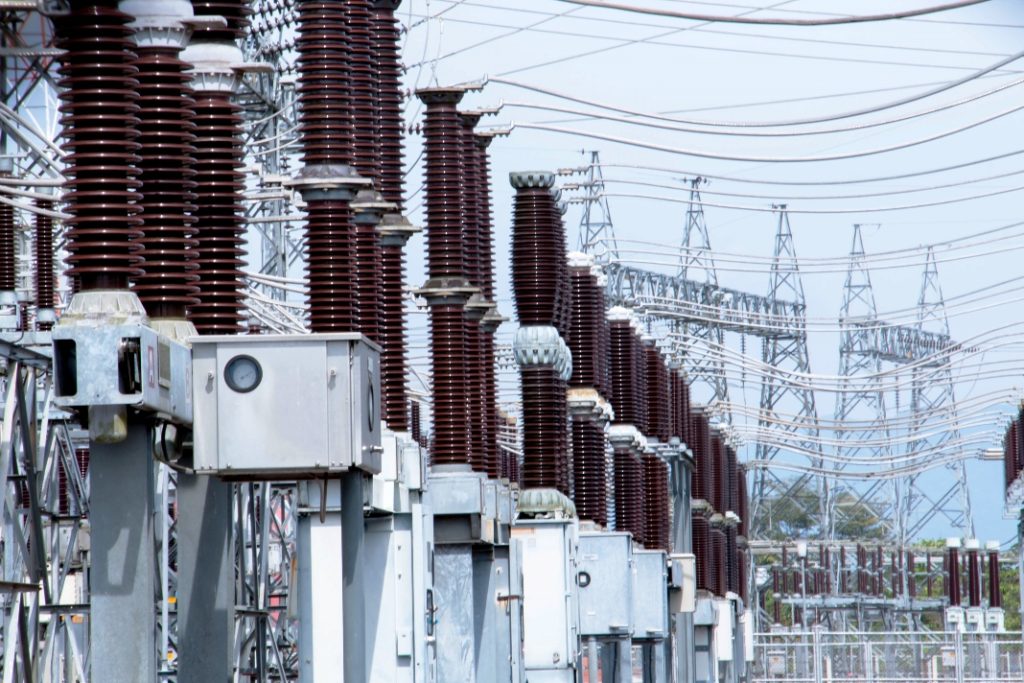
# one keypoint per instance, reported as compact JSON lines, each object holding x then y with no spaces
{"x":650,"y":595}
{"x":605,"y":581}
{"x":286,"y":406}
{"x":122,"y":365}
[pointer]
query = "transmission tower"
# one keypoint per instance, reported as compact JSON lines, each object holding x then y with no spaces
{"x":860,"y":399}
{"x":932,"y":398}
{"x":597,"y":234}
{"x":704,"y":340}
{"x":785,"y":351}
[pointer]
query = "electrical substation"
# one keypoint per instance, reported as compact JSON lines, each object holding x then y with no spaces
{"x":241,"y":443}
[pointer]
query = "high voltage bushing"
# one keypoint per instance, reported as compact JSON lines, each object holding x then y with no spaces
{"x":328,"y":181}
{"x":543,"y":356}
{"x":586,"y":321}
{"x":167,"y":285}
{"x":477,"y":307}
{"x":590,"y":413}
{"x":622,"y":366}
{"x":642,"y":421}
{"x":719,"y":555}
{"x":995,"y":596}
{"x":953,"y":571}
{"x":658,"y":397}
{"x":973,"y":572}
{"x":657,"y":506}
{"x":394,"y":229}
{"x":627,"y":444}
{"x":492,"y":318}
{"x":219,"y":229}
{"x":99,"y":96}
{"x":447,"y":290}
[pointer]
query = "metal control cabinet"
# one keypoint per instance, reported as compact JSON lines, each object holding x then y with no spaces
{"x":550,"y":631}
{"x":650,"y":595}
{"x":122,"y":365}
{"x":312,"y":409}
{"x":605,"y":582}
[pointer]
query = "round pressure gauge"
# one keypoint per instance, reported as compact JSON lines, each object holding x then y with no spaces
{"x":243,"y":374}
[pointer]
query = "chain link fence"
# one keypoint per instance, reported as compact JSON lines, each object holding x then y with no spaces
{"x":900,"y":657}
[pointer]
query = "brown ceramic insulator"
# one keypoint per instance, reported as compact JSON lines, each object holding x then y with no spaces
{"x":392,"y":337}
{"x":973,"y":579}
{"x":474,"y":373}
{"x":640,"y":385}
{"x":218,"y":225}
{"x":544,"y":462}
{"x":536,"y":251}
{"x":563,"y":299}
{"x":389,"y":177}
{"x":415,"y":422}
{"x":700,"y":531}
{"x":700,"y":478}
{"x":658,"y":394}
{"x":629,"y":511}
{"x":388,"y":119}
{"x":362,"y":84}
{"x":1010,"y":455}
{"x":582,"y":336}
{"x":44,"y":259}
{"x":471,"y":238}
{"x":590,"y":489}
{"x":732,"y":561}
{"x":718,"y":562}
{"x":656,"y":502}
{"x":326,"y":124}
{"x":622,"y":365}
{"x":492,"y":453}
{"x":995,"y":597}
{"x":715,"y":457}
{"x":732,"y":470}
{"x":448,"y":342}
{"x":166,"y":286}
{"x":235,"y":12}
{"x":442,"y":133}
{"x":486,"y":219}
{"x":744,"y":501}
{"x":100,"y":130}
{"x":366,"y":284}
{"x":7,"y":266}
{"x":1020,"y":443}
{"x":331,"y":266}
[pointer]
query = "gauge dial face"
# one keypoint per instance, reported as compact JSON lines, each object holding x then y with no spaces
{"x":243,"y":374}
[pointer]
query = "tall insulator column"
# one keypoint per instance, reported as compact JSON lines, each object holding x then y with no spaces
{"x":394,"y":229}
{"x":218,"y":134}
{"x":995,"y":595}
{"x":99,"y":107}
{"x":8,"y":270}
{"x":447,"y":290}
{"x":46,"y":316}
{"x":590,"y":485}
{"x":492,"y":319}
{"x":368,"y":205}
{"x":953,"y":571}
{"x":167,"y":285}
{"x":656,"y":502}
{"x":477,"y":308}
{"x":623,"y":364}
{"x":973,"y":572}
{"x":543,"y":356}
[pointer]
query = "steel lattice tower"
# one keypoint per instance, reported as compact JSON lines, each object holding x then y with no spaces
{"x":860,"y":401}
{"x":704,"y":340}
{"x":596,"y":223}
{"x":786,"y":352}
{"x":932,"y":398}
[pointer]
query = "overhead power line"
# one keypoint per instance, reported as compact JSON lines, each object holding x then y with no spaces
{"x":777,"y":21}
